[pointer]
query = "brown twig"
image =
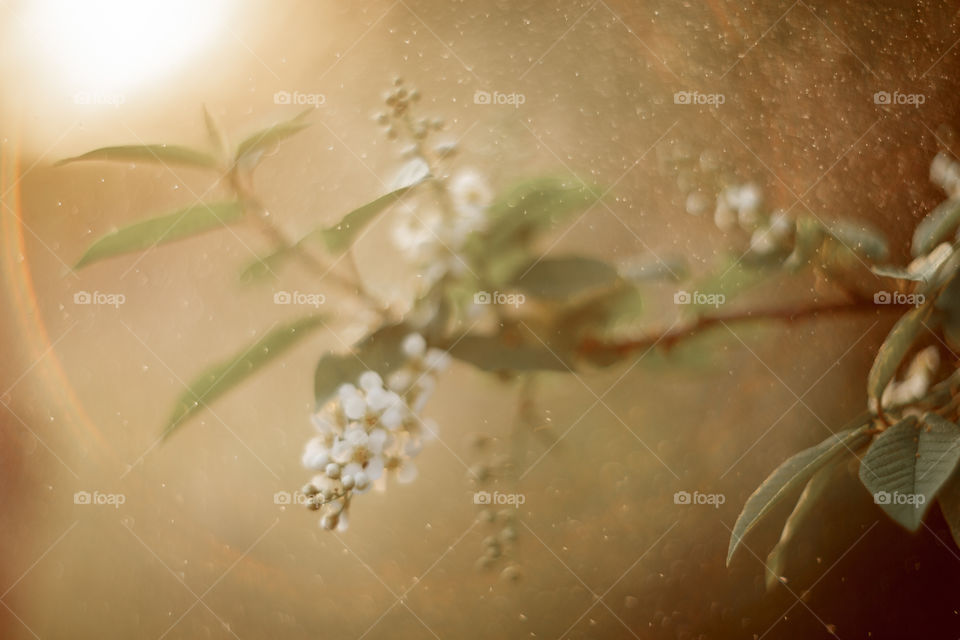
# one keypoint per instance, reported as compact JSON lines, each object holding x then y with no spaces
{"x":668,"y":339}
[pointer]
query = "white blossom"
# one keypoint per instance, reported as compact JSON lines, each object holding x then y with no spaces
{"x":371,"y":430}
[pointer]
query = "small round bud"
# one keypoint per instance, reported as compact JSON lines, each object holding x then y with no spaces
{"x":437,"y":123}
{"x":511,"y":574}
{"x":333,"y":471}
{"x":414,"y":95}
{"x":382,"y":118}
{"x":414,"y":345}
{"x":361,"y":481}
{"x":329,"y":521}
{"x":348,"y":482}
{"x":509,"y":534}
{"x":397,"y":81}
{"x":309,"y":489}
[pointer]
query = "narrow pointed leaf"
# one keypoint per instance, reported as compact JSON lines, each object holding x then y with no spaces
{"x":336,"y":239}
{"x":906,"y":466}
{"x":227,"y":374}
{"x":340,"y":236}
{"x":169,"y":154}
{"x":162,"y":230}
{"x":788,"y":477}
{"x":936,"y":227}
{"x":265,"y":139}
{"x":861,"y":238}
{"x":213,"y":132}
{"x":896,"y":345}
{"x":804,"y":509}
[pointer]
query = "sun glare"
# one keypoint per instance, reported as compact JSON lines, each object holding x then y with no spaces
{"x":117,"y":45}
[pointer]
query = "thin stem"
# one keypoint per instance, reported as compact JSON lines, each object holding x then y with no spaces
{"x":668,"y":339}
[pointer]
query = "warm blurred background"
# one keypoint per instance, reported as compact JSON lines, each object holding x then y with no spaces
{"x":200,"y":550}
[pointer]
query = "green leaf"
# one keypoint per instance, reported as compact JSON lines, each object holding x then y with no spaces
{"x":652,"y":268}
{"x":162,"y":230}
{"x":891,"y":353}
{"x":818,"y":485}
{"x":949,"y":499}
{"x":598,"y":316}
{"x":340,"y":236}
{"x":226,"y":375}
{"x":533,"y":206}
{"x":214,"y":135}
{"x":732,"y":278}
{"x":790,"y":476}
{"x":948,"y":302}
{"x":491,"y":353}
{"x":336,"y":238}
{"x":936,"y":227}
{"x":860,"y":238}
{"x":158,"y":153}
{"x":254,"y":145}
{"x":380,"y":351}
{"x":906,"y":466}
{"x":565,"y":278}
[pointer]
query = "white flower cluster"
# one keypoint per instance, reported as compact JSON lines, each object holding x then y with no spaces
{"x":370,"y":430}
{"x":431,"y":238}
{"x":742,"y":206}
{"x":915,"y":383}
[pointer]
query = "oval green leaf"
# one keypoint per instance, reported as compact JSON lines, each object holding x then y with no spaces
{"x":906,"y":466}
{"x":566,"y":277}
